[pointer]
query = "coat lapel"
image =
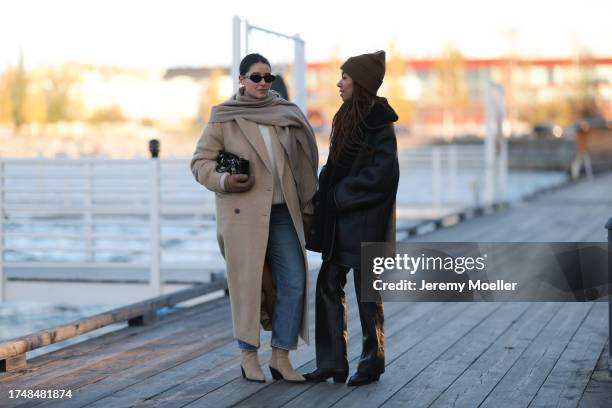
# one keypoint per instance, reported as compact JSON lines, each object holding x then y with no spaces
{"x":252,"y":134}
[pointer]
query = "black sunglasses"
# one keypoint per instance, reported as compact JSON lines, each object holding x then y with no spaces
{"x":257,"y":78}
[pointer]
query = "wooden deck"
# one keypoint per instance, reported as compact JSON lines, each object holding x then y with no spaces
{"x":438,"y":354}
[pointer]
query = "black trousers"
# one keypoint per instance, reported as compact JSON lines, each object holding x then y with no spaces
{"x":330,"y":326}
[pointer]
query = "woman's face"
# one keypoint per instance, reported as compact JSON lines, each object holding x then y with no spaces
{"x":260,"y":89}
{"x":346,"y":87}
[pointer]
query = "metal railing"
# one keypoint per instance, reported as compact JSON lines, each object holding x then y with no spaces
{"x":150,"y":214}
{"x":120,"y":214}
{"x":443,"y":165}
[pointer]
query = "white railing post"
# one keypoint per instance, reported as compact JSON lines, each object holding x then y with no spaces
{"x":495,"y":143}
{"x":89,"y":245}
{"x":154,"y":218}
{"x":435,"y":177}
{"x":452,"y":173}
{"x":489,"y":145}
{"x":299,"y":74}
{"x":502,"y":171}
{"x":2,"y":276}
{"x":236,"y":51}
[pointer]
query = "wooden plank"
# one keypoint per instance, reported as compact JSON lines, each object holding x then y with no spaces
{"x":472,"y":230}
{"x":192,"y":386}
{"x":521,"y":383}
{"x":325,"y":394}
{"x":536,"y":223}
{"x":517,"y":225}
{"x":597,"y":232}
{"x":52,"y":361}
{"x":598,"y":392}
{"x":566,"y":382}
{"x":585,"y":191}
{"x":418,"y":357}
{"x":197,"y":387}
{"x":555,"y":219}
{"x":101,"y":370}
{"x":477,"y":381}
{"x":126,"y":333}
{"x":90,"y":393}
{"x":103,"y":378}
{"x":60,"y":374}
{"x":14,"y":363}
{"x":395,"y":340}
{"x":426,"y":386}
{"x":21,"y":345}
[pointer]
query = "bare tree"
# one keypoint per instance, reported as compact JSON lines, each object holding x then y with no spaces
{"x":451,"y":87}
{"x":394,"y":85}
{"x":584,"y":92}
{"x":57,"y":94}
{"x":18,"y":88}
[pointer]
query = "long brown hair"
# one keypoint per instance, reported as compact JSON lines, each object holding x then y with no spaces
{"x":346,"y":137}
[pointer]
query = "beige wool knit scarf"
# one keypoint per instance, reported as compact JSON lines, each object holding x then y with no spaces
{"x":291,"y":126}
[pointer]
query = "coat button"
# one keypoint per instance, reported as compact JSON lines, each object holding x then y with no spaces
{"x":237,"y":210}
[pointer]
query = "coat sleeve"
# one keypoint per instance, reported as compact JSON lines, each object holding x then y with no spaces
{"x":374,"y":182}
{"x":308,"y":184}
{"x":204,"y":158}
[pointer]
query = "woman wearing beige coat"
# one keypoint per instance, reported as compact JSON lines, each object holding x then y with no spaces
{"x":260,"y":216}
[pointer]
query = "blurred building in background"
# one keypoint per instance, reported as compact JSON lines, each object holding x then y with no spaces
{"x":444,"y":97}
{"x":435,"y":98}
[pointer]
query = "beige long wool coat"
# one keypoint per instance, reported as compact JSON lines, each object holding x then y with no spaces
{"x":243,"y":218}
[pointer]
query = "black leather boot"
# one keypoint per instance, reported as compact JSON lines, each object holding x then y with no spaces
{"x":362,"y":379}
{"x":330,"y":317}
{"x":320,"y":375}
{"x":372,"y":319}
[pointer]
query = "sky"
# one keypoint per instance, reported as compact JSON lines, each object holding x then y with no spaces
{"x":161,"y":34}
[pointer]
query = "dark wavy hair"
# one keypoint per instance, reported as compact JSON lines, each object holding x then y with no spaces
{"x":347,"y":139}
{"x":251,"y":59}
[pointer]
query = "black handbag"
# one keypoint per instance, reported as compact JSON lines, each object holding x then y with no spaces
{"x":232,"y":164}
{"x":314,"y":236}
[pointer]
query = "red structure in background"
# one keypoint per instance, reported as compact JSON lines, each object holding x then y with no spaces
{"x":528,"y":82}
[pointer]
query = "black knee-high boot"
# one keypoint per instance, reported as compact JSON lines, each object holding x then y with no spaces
{"x":330,"y":315}
{"x":372,"y":318}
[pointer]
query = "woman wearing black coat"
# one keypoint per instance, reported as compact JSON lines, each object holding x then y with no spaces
{"x":355,"y":203}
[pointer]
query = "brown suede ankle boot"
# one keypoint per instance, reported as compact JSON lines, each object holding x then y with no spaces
{"x":251,"y":370}
{"x":281,"y":368}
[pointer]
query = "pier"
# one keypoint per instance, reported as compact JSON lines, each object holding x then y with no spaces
{"x":515,"y":354}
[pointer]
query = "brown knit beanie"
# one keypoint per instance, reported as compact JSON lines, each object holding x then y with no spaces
{"x":368,"y":70}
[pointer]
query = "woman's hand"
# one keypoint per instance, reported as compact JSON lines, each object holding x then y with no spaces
{"x":238,"y":183}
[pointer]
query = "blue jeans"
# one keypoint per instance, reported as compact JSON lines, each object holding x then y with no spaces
{"x":286,"y":261}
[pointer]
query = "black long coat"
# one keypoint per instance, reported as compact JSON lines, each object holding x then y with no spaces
{"x":359,"y":205}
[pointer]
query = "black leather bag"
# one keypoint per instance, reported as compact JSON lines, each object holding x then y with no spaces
{"x":314,"y":236}
{"x":232,"y":164}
